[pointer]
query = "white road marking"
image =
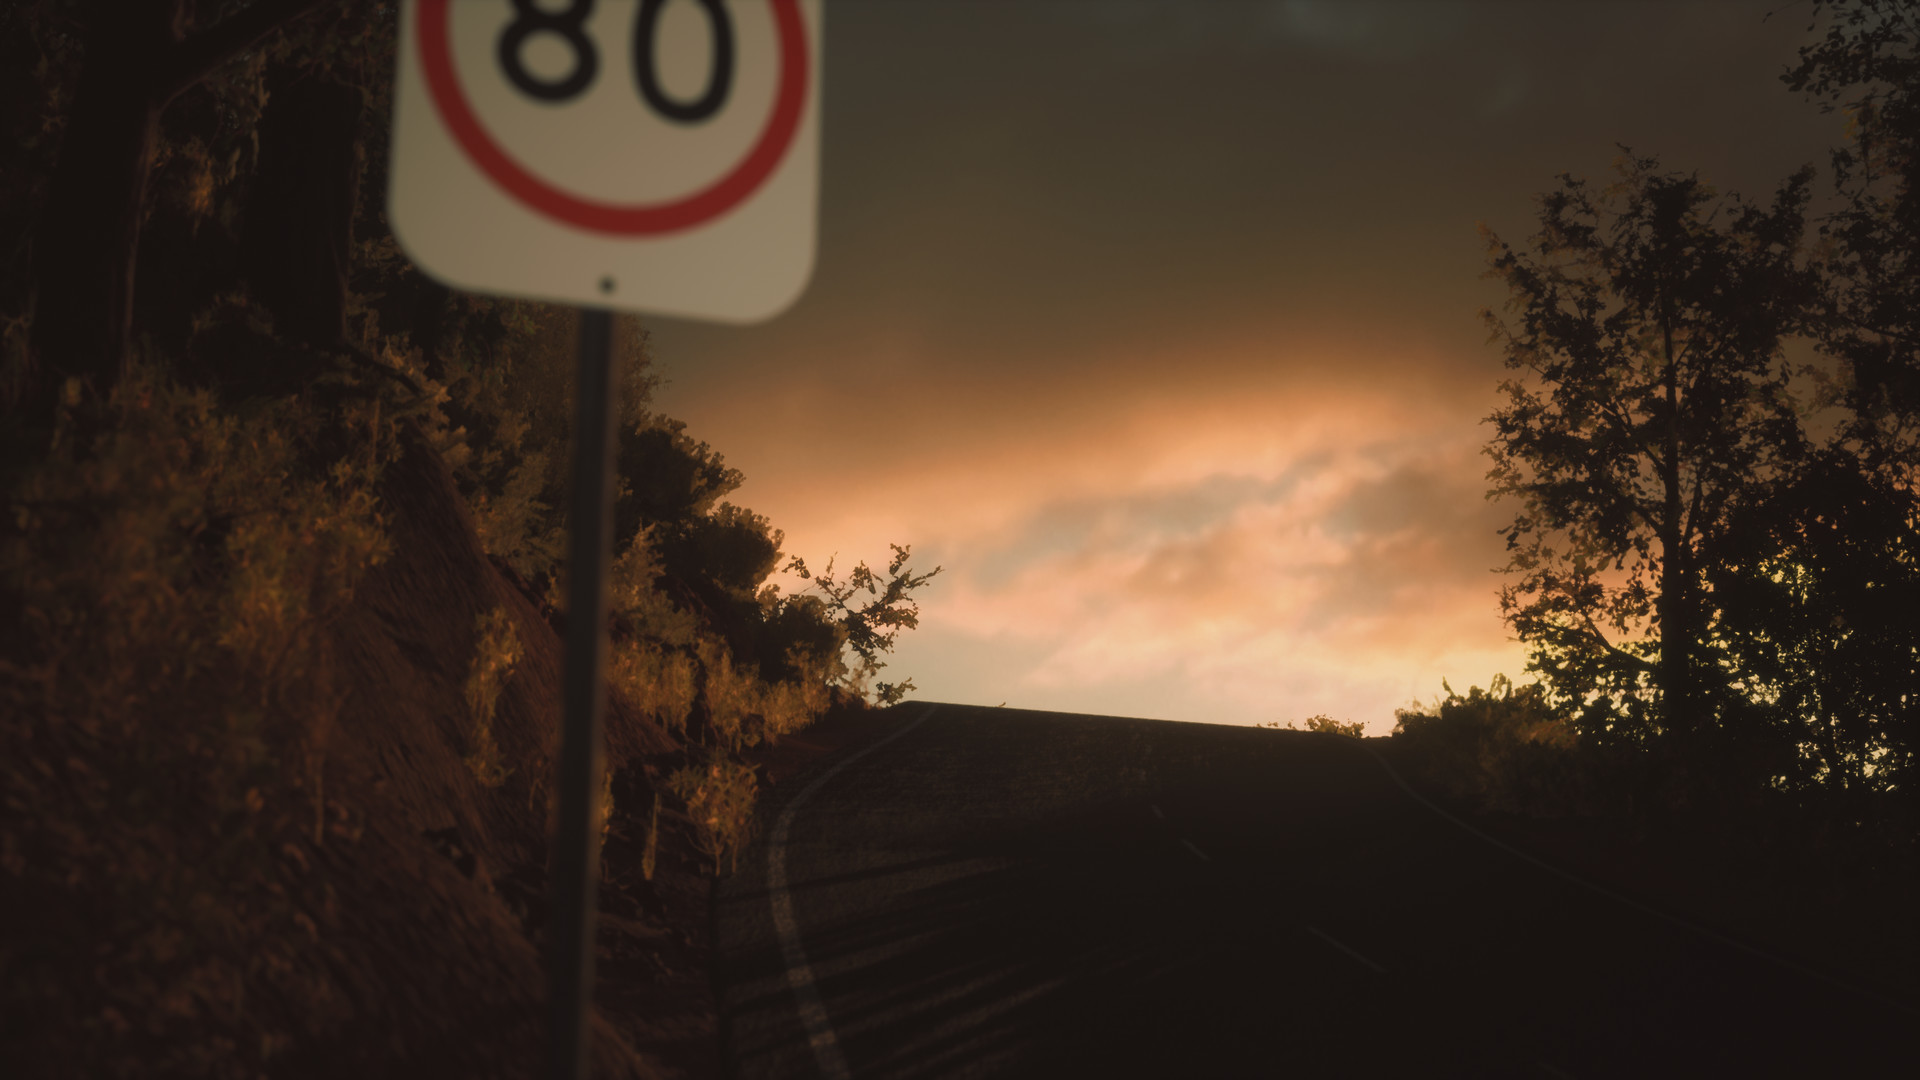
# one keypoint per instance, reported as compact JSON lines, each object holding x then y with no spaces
{"x":806,"y":994}
{"x":1637,"y":905}
{"x":1328,"y":938}
{"x":1155,"y":807}
{"x":1195,"y":850}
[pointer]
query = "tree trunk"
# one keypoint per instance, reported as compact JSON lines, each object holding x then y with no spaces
{"x":429,"y":327}
{"x":1675,"y":604}
{"x":299,"y":213}
{"x":88,"y":236}
{"x":89,"y":232}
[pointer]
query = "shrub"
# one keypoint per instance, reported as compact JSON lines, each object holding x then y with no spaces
{"x":165,"y":697}
{"x":1325,"y":724}
{"x":719,"y":797}
{"x":1505,"y":748}
{"x":605,"y":804}
{"x":496,"y":650}
{"x":868,"y":627}
{"x":655,"y":679}
{"x":650,"y":853}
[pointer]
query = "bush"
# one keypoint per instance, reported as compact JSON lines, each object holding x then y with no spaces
{"x":496,"y":650}
{"x":166,"y":696}
{"x":719,"y":797}
{"x":1327,"y":725}
{"x":1506,"y":749}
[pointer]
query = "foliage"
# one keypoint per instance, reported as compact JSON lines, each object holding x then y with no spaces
{"x":181,"y":531}
{"x":1837,"y":644}
{"x":1651,"y":321}
{"x":1506,"y":749}
{"x":1866,"y":65}
{"x":496,"y":649}
{"x":872,"y":624}
{"x":603,"y":806}
{"x":1718,"y":553}
{"x":650,"y":852}
{"x":719,"y":796}
{"x":166,"y":700}
{"x":668,"y":478}
{"x":176,"y":546}
{"x":1326,"y":725}
{"x":508,"y":367}
{"x":661,"y":680}
{"x":1818,"y":584}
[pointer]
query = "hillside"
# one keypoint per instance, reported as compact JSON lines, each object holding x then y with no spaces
{"x":383,"y":914}
{"x":281,"y":587}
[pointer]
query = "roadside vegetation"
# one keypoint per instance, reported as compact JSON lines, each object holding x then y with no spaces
{"x":1711,"y":438}
{"x":281,"y":582}
{"x":1325,"y":724}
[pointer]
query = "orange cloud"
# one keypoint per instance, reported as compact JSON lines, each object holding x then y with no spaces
{"x":1247,"y":544}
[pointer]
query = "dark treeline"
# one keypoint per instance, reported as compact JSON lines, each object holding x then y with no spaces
{"x":1712,"y":437}
{"x":232,"y":593}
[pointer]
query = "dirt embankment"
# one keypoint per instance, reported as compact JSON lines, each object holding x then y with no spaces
{"x":427,"y":889}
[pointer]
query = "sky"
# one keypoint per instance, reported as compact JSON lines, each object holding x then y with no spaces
{"x":1156,"y":325}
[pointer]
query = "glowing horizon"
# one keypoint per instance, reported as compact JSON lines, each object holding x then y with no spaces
{"x":1177,"y":372}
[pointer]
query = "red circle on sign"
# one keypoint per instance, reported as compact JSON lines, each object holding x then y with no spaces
{"x":436,"y":60}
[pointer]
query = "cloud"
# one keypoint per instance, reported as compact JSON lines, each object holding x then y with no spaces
{"x":1333,"y":579}
{"x":1234,"y":531}
{"x":1369,"y":29}
{"x":1247,"y":541}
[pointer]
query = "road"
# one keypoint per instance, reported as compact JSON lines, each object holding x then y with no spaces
{"x":993,"y":892}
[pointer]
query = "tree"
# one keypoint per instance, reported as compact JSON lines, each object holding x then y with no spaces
{"x":1866,"y":65}
{"x":139,"y":56}
{"x":714,"y":558}
{"x":712,"y":555}
{"x":871,"y":625}
{"x":1650,"y":318}
{"x":1817,"y":583}
{"x":1827,"y":620}
{"x":1506,"y":748}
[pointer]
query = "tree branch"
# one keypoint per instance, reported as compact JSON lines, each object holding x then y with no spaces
{"x":366,"y":360}
{"x":1638,"y":663}
{"x":1611,"y":410}
{"x":191,"y":60}
{"x":1689,"y":525}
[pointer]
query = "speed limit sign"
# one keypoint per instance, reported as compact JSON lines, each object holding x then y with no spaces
{"x":650,"y":155}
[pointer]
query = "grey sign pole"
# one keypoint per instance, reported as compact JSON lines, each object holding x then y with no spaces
{"x":575,"y":860}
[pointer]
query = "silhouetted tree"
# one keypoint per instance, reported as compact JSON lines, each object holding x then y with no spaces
{"x":668,"y":477}
{"x":1817,"y":583}
{"x":1866,"y":65}
{"x":715,"y":557}
{"x":872,"y":623}
{"x":1648,"y":323}
{"x":1828,"y":621}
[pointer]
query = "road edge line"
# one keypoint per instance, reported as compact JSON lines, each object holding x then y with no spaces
{"x":806,"y":994}
{"x":1676,"y":920}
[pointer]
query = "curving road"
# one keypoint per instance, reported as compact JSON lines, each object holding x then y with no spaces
{"x":993,"y":892}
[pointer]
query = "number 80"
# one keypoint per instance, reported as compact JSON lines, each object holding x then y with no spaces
{"x":531,"y":20}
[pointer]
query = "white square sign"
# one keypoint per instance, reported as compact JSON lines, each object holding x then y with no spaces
{"x":637,"y":154}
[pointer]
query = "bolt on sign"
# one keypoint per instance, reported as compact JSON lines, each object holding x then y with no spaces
{"x":643,"y":155}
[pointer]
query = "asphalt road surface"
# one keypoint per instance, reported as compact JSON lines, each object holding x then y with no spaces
{"x":992,"y":892}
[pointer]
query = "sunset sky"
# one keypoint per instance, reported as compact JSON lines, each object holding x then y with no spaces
{"x":1155,"y":324}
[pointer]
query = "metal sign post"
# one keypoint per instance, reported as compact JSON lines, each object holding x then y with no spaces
{"x":605,"y":154}
{"x":575,"y":864}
